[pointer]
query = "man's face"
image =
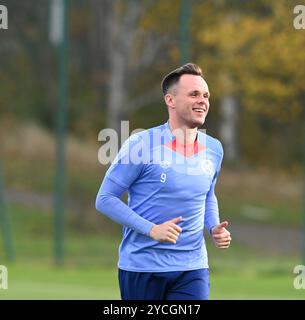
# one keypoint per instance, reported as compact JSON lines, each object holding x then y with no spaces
{"x":189,"y":100}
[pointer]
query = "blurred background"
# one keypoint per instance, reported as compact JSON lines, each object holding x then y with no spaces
{"x":68,"y":69}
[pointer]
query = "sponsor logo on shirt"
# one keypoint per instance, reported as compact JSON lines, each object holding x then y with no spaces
{"x":165,"y":164}
{"x":207,"y":167}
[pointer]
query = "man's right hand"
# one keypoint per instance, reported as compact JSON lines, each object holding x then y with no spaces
{"x":168,"y":231}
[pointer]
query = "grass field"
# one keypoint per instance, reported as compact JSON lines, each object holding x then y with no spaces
{"x":90,"y":266}
{"x":42,"y":281}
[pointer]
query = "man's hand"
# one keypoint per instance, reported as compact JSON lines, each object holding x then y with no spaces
{"x":221,"y":236}
{"x":167,"y":231}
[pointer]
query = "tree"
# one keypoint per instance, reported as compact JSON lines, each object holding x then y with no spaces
{"x":133,"y":45}
{"x":252,"y":51}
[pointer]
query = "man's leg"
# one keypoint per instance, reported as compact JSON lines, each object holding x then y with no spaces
{"x":141,"y":285}
{"x":190,"y":285}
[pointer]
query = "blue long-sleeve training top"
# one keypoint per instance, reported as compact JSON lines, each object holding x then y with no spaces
{"x":164,"y":180}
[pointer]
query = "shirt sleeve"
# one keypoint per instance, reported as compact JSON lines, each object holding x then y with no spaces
{"x":123,"y":172}
{"x":211,"y":217}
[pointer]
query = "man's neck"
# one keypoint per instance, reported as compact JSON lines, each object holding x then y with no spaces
{"x":183,"y":133}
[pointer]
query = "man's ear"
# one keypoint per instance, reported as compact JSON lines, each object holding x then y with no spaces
{"x":169,"y":100}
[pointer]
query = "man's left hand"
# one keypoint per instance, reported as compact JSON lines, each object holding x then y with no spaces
{"x":221,"y":236}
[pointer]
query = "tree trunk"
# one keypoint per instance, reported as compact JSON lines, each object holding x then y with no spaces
{"x":122,"y":30}
{"x":117,"y":92}
{"x":228,"y":127}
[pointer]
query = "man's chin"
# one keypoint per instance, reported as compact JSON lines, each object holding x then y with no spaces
{"x":195,"y":123}
{"x":198,"y":123}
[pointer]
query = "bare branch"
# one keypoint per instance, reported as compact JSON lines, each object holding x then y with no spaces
{"x":153,"y":46}
{"x":144,"y":99}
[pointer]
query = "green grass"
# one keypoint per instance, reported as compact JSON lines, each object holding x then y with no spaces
{"x":240,"y":273}
{"x":288,"y":214}
{"x":91,"y":255}
{"x":270,"y":197}
{"x":44,"y":281}
{"x":280,"y":287}
{"x":33,"y":238}
{"x":89,"y":271}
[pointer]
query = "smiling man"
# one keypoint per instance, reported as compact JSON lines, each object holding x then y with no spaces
{"x":163,"y":255}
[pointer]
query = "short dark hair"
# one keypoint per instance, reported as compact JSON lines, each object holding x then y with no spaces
{"x":173,"y":77}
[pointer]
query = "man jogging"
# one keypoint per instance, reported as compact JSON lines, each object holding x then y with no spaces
{"x":169,"y":172}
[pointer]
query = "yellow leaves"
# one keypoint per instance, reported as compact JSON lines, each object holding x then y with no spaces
{"x":259,"y":57}
{"x":271,"y":97}
{"x":161,"y":16}
{"x":233,"y":35}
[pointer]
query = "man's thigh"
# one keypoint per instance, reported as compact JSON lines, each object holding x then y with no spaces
{"x":141,"y":286}
{"x":191,"y":285}
{"x":178,"y":285}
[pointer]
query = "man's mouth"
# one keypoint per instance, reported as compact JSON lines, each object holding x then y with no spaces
{"x":199,"y":110}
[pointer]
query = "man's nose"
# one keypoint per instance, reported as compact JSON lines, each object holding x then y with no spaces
{"x":201,"y":99}
{"x":203,"y":102}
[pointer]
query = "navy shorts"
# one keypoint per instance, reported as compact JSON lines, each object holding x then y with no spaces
{"x":178,"y":285}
